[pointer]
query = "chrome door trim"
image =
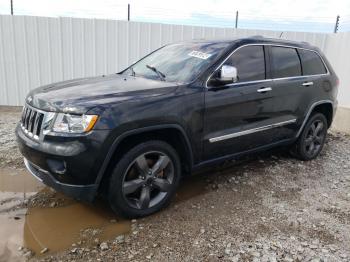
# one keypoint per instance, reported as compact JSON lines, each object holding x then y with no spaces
{"x":251,"y":131}
{"x":308,"y":83}
{"x":264,"y":90}
{"x":309,"y":113}
{"x":248,"y":82}
{"x":266,"y":44}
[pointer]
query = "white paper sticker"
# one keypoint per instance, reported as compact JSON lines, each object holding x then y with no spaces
{"x":200,"y":55}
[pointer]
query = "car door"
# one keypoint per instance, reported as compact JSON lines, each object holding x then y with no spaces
{"x":315,"y":75}
{"x":291,"y":87}
{"x":238,"y":116}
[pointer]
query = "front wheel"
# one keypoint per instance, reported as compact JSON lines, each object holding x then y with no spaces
{"x":145,"y":179}
{"x":311,"y":140}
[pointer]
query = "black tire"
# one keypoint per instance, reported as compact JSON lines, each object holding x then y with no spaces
{"x":129,"y":173}
{"x":310,"y":144}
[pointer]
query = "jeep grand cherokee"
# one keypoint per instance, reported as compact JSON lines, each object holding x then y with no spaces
{"x":132,"y":135}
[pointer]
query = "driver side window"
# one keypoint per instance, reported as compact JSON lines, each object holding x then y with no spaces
{"x":250,"y":63}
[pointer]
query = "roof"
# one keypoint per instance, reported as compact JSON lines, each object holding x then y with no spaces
{"x":258,"y":40}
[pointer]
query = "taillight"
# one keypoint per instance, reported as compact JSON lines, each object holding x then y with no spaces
{"x":337,"y":82}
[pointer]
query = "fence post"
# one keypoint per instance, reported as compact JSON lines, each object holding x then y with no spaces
{"x":128,"y":12}
{"x":11,"y":7}
{"x":236,"y":19}
{"x":336,"y":27}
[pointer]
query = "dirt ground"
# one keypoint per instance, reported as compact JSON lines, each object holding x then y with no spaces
{"x":269,"y":207}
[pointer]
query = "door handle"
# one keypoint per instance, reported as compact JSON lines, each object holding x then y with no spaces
{"x":264,"y":89}
{"x":308,"y":83}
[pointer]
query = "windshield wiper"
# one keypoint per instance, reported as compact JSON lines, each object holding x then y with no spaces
{"x":132,"y":71}
{"x":160,"y":74}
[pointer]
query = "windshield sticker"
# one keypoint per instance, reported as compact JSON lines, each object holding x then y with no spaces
{"x":200,"y":55}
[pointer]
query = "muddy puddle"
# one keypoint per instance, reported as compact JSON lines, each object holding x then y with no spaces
{"x":55,"y":228}
{"x":15,"y":187}
{"x":58,"y":227}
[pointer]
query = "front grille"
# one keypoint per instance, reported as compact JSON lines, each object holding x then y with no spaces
{"x":32,"y":121}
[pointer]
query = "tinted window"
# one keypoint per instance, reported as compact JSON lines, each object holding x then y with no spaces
{"x":285,"y":62}
{"x":312,"y":63}
{"x":250,"y":63}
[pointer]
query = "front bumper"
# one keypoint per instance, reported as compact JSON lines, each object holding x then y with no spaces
{"x":67,"y":164}
{"x":81,"y":192}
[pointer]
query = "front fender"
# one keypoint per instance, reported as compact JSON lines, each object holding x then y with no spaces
{"x":120,"y":138}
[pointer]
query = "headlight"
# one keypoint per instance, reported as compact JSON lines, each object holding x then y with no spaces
{"x":67,"y":123}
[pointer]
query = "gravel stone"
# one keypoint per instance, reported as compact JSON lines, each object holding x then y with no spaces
{"x":44,"y":250}
{"x":266,"y":207}
{"x":103,"y":246}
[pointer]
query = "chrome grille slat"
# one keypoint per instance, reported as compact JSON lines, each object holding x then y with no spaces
{"x":32,"y":122}
{"x":40,"y":124}
{"x":25,"y":116}
{"x":26,"y":121}
{"x":36,"y":121}
{"x":23,"y":113}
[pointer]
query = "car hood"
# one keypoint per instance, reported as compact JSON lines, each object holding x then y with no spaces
{"x":80,"y":95}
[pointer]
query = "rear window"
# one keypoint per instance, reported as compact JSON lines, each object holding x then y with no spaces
{"x":250,"y":63}
{"x":312,"y":63}
{"x":285,"y":62}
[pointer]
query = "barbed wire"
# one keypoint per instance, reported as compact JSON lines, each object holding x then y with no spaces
{"x":246,"y":20}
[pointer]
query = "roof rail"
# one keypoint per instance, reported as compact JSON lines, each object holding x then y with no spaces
{"x":257,"y":36}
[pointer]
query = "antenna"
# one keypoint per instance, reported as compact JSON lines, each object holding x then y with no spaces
{"x":281,"y":34}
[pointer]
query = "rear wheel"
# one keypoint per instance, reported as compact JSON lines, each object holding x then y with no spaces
{"x":145,"y":179}
{"x":311,"y":140}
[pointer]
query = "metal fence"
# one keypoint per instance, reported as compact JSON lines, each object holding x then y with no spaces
{"x":35,"y":51}
{"x":216,"y":17}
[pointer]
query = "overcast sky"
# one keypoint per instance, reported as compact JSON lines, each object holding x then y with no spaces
{"x":301,"y":15}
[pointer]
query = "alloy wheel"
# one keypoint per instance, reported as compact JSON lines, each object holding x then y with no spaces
{"x":148,"y":180}
{"x":314,"y":138}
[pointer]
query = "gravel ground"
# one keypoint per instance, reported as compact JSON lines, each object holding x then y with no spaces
{"x":270,"y":207}
{"x":9,"y":153}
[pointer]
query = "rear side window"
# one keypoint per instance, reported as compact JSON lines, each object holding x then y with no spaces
{"x":285,"y":62}
{"x":250,"y":63}
{"x":312,"y":63}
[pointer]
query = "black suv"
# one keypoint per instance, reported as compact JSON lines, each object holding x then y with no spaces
{"x":132,"y":135}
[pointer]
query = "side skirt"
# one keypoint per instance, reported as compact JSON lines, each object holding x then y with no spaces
{"x":243,"y":153}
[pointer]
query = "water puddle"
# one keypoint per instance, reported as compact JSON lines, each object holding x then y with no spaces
{"x":60,"y":227}
{"x":17,"y":181}
{"x":57,"y":227}
{"x":15,"y":187}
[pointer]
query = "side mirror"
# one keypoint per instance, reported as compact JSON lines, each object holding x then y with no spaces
{"x":228,"y":74}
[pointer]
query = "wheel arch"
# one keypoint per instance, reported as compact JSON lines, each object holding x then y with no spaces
{"x":325,"y":107}
{"x":173,"y":134}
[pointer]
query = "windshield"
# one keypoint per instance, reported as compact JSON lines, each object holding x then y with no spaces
{"x":177,"y":62}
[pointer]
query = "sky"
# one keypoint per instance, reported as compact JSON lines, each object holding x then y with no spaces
{"x":288,"y":15}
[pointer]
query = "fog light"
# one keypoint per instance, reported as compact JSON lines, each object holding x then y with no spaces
{"x":57,"y":166}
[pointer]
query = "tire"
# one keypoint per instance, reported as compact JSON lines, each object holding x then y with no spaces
{"x":144,"y":180}
{"x":311,"y":140}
